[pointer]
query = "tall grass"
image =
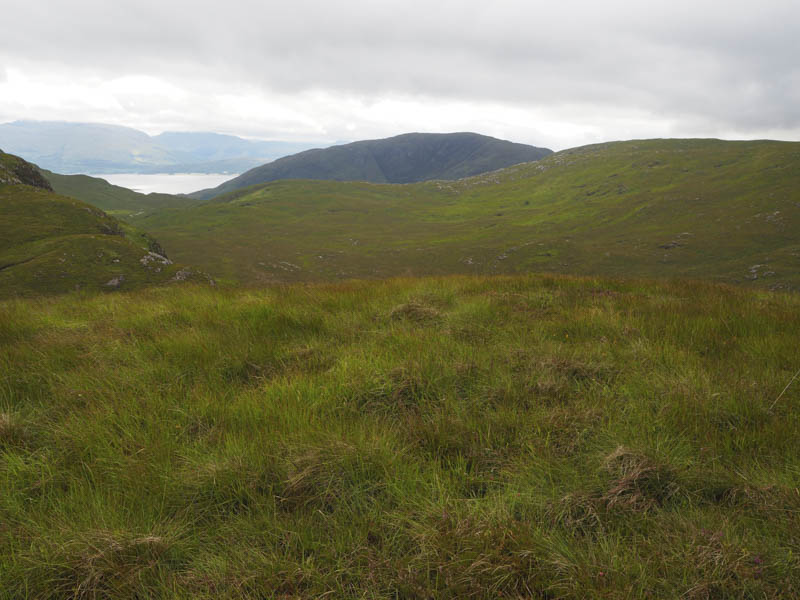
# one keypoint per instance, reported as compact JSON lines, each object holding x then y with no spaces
{"x":460,"y":437}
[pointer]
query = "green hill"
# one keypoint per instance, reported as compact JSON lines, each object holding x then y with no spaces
{"x":113,"y":199}
{"x":485,"y":438}
{"x":712,"y":209}
{"x":51,"y":243}
{"x":16,"y":171}
{"x":401,"y":159}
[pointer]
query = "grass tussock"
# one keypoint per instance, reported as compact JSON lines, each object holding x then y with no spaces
{"x":12,"y":432}
{"x":106,"y":564}
{"x":416,"y":312}
{"x":508,"y":437}
{"x":638,"y":483}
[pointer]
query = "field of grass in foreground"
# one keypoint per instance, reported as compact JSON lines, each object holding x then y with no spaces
{"x":464,"y":437}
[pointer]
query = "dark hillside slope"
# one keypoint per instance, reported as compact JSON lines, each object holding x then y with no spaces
{"x":407,"y":158}
{"x":659,"y":208}
{"x":50,"y":243}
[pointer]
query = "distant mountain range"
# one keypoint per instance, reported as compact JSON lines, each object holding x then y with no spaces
{"x":102,"y":149}
{"x":407,"y":158}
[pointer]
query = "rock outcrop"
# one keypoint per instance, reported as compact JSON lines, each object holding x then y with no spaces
{"x":14,"y":170}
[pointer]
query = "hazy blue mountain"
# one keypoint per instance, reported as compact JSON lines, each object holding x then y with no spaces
{"x":217,"y":147}
{"x":406,"y":158}
{"x":99,"y":148}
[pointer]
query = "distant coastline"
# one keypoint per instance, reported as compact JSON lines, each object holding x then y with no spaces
{"x":166,"y":183}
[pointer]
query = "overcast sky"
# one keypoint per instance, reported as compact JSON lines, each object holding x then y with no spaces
{"x":556,"y":74}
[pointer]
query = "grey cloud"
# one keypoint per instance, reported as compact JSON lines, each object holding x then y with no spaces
{"x":715,"y":62}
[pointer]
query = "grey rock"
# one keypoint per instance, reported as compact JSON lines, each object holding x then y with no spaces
{"x":116,"y":282}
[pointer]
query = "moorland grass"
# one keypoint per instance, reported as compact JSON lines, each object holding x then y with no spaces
{"x":51,"y":244}
{"x":703,"y":209}
{"x":462,"y":437}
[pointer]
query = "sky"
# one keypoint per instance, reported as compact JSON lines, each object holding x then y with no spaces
{"x":555,"y":74}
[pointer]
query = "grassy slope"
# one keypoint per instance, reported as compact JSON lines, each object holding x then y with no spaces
{"x":113,"y":199}
{"x":53,"y":244}
{"x":697,"y":208}
{"x":498,"y":437}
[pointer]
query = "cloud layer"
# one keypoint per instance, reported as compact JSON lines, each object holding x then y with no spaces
{"x":564,"y":74}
